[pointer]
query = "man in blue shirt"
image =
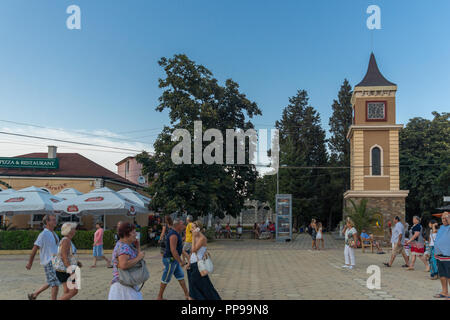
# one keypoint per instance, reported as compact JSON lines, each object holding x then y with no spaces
{"x":367,"y":238}
{"x":442,"y":251}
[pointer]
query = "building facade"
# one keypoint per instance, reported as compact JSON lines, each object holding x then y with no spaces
{"x":374,"y":147}
{"x":73,"y":171}
{"x":131,"y":170}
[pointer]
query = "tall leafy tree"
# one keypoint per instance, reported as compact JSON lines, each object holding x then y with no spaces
{"x":339,"y":148}
{"x":425,"y":163}
{"x":340,"y":123}
{"x":302,"y":144}
{"x":191,"y":93}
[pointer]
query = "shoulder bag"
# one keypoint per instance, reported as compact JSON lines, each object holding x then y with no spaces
{"x":205,"y":265}
{"x":134,"y":276}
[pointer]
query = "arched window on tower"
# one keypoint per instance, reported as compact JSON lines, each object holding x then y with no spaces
{"x":376,"y":161}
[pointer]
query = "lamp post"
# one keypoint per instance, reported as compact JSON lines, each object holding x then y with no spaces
{"x":278,"y":179}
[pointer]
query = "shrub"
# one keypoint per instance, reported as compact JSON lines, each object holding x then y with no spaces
{"x":210,"y":234}
{"x":24,"y":239}
{"x":18,"y":240}
{"x":144,"y":235}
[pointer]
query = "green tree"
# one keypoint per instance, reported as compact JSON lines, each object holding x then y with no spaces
{"x":192,"y":94}
{"x":339,"y":179}
{"x":302,"y":144}
{"x":362,"y":216}
{"x":425,"y":163}
{"x":340,"y":122}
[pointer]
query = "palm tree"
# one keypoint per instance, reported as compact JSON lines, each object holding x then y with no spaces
{"x":363,"y":217}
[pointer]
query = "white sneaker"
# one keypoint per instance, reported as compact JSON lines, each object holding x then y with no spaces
{"x":350,"y":268}
{"x":345,"y":266}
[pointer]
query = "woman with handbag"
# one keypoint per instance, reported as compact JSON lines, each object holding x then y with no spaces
{"x":125,"y":256}
{"x":65,"y":259}
{"x":200,"y":264}
{"x":417,"y":243}
{"x":350,"y":244}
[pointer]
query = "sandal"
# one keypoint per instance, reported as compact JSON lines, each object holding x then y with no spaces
{"x":440,"y":296}
{"x":410,"y":269}
{"x":386,"y":264}
{"x":31,"y":297}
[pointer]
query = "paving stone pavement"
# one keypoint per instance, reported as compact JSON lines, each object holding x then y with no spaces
{"x":249,"y":269}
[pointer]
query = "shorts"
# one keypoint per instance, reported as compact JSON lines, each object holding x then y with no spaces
{"x":63,"y":276}
{"x":50,"y":275}
{"x":187,"y":247}
{"x":171,"y":267}
{"x":443,"y":265}
{"x":397,"y":249}
{"x":98,"y":251}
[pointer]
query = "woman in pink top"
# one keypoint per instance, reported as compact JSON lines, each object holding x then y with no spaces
{"x":98,"y":246}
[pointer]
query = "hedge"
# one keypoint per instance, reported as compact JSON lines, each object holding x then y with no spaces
{"x":24,"y":239}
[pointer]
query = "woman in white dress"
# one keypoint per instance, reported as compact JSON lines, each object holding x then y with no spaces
{"x":319,"y":236}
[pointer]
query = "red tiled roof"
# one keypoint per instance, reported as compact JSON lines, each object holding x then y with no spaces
{"x":71,"y":165}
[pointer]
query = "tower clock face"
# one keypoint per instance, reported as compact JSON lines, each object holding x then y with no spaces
{"x":376,"y":111}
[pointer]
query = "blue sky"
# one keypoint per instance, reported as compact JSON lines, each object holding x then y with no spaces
{"x":103,"y":78}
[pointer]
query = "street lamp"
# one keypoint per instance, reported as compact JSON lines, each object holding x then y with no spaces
{"x":278,"y":179}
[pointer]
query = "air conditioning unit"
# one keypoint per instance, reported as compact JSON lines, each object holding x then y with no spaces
{"x":141,"y":180}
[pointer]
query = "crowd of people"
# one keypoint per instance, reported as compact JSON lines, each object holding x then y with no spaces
{"x":185,"y":246}
{"x":430,"y":245}
{"x":264,"y":230}
{"x":182,"y":246}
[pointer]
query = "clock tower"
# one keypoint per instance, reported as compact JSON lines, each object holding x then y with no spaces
{"x":374,"y":149}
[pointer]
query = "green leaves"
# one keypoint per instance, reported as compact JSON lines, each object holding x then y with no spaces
{"x":192,"y":94}
{"x":425,"y":163}
{"x":362,"y":216}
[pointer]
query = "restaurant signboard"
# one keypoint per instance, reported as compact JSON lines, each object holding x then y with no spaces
{"x":29,"y":163}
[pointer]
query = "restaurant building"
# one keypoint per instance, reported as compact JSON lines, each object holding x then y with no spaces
{"x":58,"y":171}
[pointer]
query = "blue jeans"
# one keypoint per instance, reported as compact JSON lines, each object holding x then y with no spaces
{"x":433,"y":263}
{"x":171,"y":267}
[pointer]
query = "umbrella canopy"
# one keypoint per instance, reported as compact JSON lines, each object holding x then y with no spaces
{"x":132,"y":195}
{"x":31,"y":200}
{"x":69,"y":193}
{"x":7,"y":191}
{"x":102,"y":201}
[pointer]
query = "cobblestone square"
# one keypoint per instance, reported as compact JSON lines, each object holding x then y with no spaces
{"x":249,"y":269}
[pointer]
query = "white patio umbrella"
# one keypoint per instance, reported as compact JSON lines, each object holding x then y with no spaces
{"x":136,"y":197}
{"x":31,"y":200}
{"x":102,"y":201}
{"x":5,"y":192}
{"x":69,"y":193}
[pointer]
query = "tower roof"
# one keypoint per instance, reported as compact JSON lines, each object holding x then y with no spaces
{"x":373,"y":77}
